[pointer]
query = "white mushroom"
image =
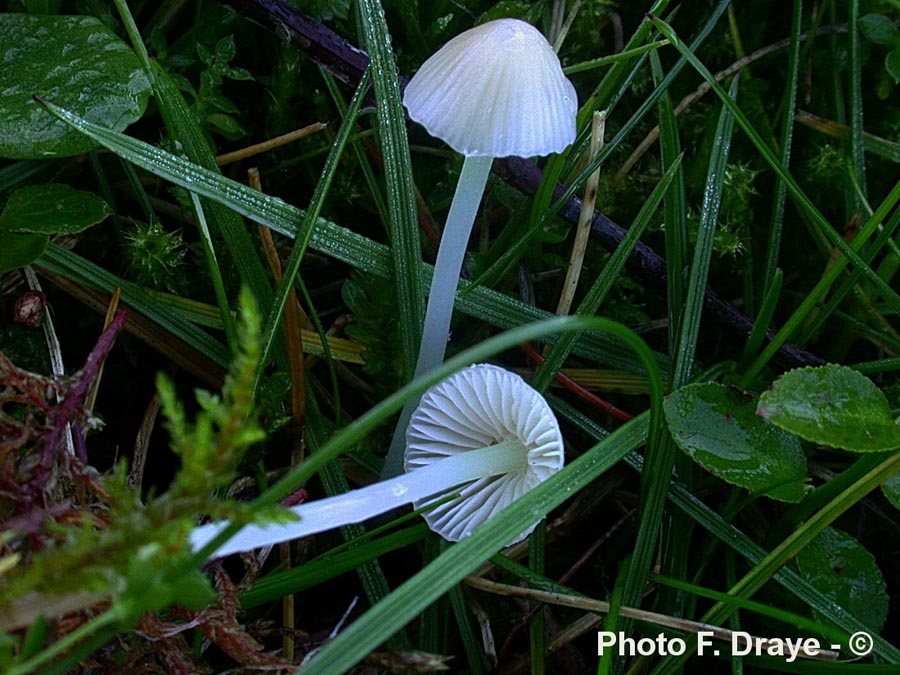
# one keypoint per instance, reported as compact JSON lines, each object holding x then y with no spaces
{"x":496,"y":90}
{"x":482,"y":406}
{"x":482,"y":434}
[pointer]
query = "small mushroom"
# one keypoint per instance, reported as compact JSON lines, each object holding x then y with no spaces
{"x":496,"y":90}
{"x":482,"y":434}
{"x":482,"y":406}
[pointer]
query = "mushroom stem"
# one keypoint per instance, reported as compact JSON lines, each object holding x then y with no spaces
{"x":359,"y":505}
{"x":451,"y":252}
{"x":439,"y":310}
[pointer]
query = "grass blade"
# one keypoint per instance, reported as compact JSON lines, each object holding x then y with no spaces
{"x":787,"y":135}
{"x":401,"y":194}
{"x":276,"y":585}
{"x":731,"y":536}
{"x":857,"y":142}
{"x":675,"y":542}
{"x":305,"y":232}
{"x":605,"y":280}
{"x":675,"y":208}
{"x":72,"y":266}
{"x":218,"y":285}
{"x":183,"y":128}
{"x":790,"y":547}
{"x":661,"y":455}
{"x":709,"y":215}
{"x":874,"y":144}
{"x":452,"y":566}
{"x":850,"y":255}
{"x":338,"y":242}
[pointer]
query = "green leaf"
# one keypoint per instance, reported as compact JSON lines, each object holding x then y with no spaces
{"x":729,"y":535}
{"x":75,"y":61}
{"x":717,"y":426}
{"x":52,"y":209}
{"x":227,"y":125}
{"x":879,"y":29}
{"x":832,"y":405}
{"x":891,"y":490}
{"x":18,"y":250}
{"x":892,"y":64}
{"x":844,"y":570}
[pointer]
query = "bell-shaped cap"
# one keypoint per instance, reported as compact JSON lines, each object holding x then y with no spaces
{"x":480,"y":406}
{"x":495,"y":90}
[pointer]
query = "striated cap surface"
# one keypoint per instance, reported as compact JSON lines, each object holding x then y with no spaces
{"x":495,"y":90}
{"x":480,"y":406}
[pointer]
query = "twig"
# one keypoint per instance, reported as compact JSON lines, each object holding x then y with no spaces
{"x":54,"y":349}
{"x":271,"y":144}
{"x":293,"y":320}
{"x":142,"y":443}
{"x":582,"y":393}
{"x":704,"y":88}
{"x":60,"y":418}
{"x":110,"y":313}
{"x":179,"y":352}
{"x":591,"y":605}
{"x":583,"y":229}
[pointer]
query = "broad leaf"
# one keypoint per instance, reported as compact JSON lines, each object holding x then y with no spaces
{"x":717,"y":426}
{"x":18,"y":250}
{"x":844,"y":570}
{"x":891,"y":490}
{"x":892,"y":64}
{"x":879,"y":29}
{"x":832,"y":405}
{"x":52,"y":209}
{"x":75,"y":61}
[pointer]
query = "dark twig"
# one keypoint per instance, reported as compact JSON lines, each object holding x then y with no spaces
{"x":347,"y":62}
{"x":73,"y":402}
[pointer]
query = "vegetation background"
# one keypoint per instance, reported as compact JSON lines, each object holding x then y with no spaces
{"x":752,"y":146}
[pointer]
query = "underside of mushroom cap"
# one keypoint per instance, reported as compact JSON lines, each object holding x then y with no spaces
{"x":480,"y":406}
{"x":495,"y":90}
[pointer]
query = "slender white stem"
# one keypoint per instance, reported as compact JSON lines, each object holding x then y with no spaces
{"x":454,"y":241}
{"x":439,"y":310}
{"x":359,"y":505}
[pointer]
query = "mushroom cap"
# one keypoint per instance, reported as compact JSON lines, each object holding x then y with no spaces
{"x":495,"y":90}
{"x":480,"y":406}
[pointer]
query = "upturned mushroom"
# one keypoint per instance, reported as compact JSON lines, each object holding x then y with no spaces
{"x":482,"y":434}
{"x":496,"y":90}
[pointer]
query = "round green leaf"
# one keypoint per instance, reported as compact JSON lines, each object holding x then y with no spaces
{"x":839,"y":566}
{"x":18,"y":250}
{"x":75,"y":62}
{"x":717,"y":426}
{"x":879,"y":29}
{"x":891,"y":490}
{"x":832,"y":405}
{"x":892,"y":64}
{"x":52,"y":209}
